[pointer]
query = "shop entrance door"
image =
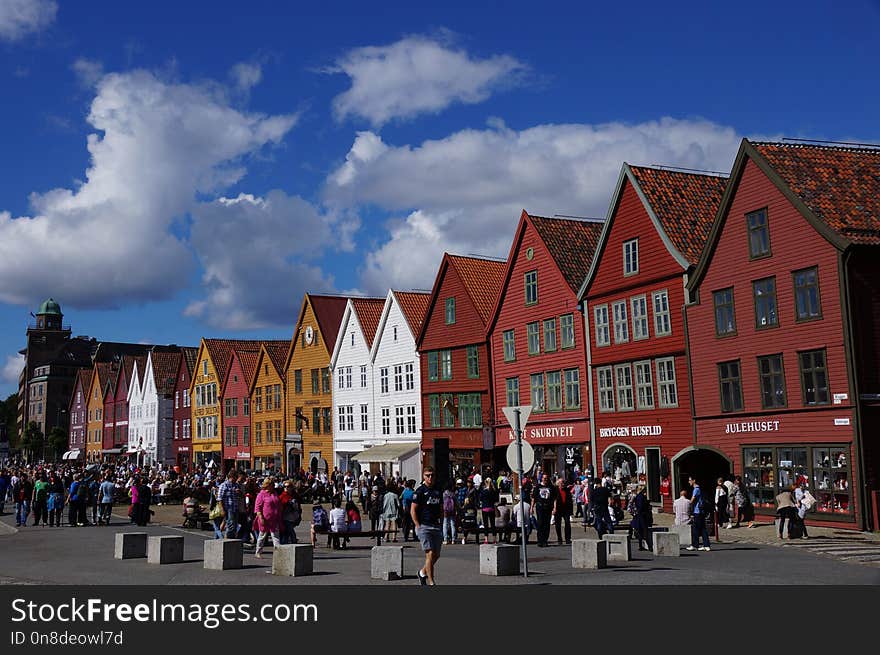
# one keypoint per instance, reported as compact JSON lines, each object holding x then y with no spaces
{"x":652,"y":474}
{"x":705,"y":466}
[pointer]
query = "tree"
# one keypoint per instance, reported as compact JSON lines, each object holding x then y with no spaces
{"x":32,"y":440}
{"x":58,"y":441}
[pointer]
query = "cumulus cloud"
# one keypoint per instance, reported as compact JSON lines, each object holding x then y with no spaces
{"x":464,"y":193}
{"x":417,"y":75}
{"x":12,"y":369}
{"x":157,"y":147}
{"x":259,"y":285}
{"x":88,"y":71}
{"x":18,"y":18}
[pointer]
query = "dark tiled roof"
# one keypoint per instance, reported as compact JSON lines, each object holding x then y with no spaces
{"x":107,"y":351}
{"x":328,"y":311}
{"x":571,"y":243}
{"x":277,"y":351}
{"x":482,"y":279}
{"x":105,"y":372}
{"x":190,"y":355}
{"x":369,"y":312}
{"x":684,"y":203}
{"x":165,"y":365}
{"x":248,"y":359}
{"x":414,"y":305}
{"x":840,"y":185}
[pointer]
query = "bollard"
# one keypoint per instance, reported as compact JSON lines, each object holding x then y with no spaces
{"x":386,"y":563}
{"x":130,"y":545}
{"x":667,"y":544}
{"x":224,"y":554}
{"x":165,"y":550}
{"x":293,"y":560}
{"x":589,"y":553}
{"x":618,"y":547}
{"x":499,"y":559}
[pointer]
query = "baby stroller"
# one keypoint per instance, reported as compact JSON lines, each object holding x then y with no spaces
{"x":194,"y":515}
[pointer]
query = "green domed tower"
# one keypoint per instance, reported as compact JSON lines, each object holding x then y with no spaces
{"x":49,"y":315}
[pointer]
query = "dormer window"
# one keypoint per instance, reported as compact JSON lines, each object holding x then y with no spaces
{"x":450,"y":311}
{"x":631,"y":257}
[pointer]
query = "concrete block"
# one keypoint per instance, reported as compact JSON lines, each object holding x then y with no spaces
{"x":683,"y":532}
{"x":293,"y":560}
{"x":499,"y":559}
{"x":386,"y":563}
{"x":618,"y":547}
{"x":130,"y":545}
{"x":223,"y":554}
{"x":165,"y":550}
{"x":667,"y":544}
{"x":589,"y":553}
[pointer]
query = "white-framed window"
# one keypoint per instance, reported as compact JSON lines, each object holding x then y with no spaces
{"x":450,"y":311}
{"x":176,"y":400}
{"x":631,"y":257}
{"x":348,"y":376}
{"x":341,"y":418}
{"x":363,"y":377}
{"x":411,"y":419}
{"x":445,"y":364}
{"x":566,"y":330}
{"x":603,"y":329}
{"x":186,"y":398}
{"x":204,"y":367}
{"x":644,"y":385}
{"x":383,"y":379}
{"x":531,"y":290}
{"x":365,"y":422}
{"x":662,"y":325}
{"x":352,"y":339}
{"x":386,"y":420}
{"x":399,"y":420}
{"x":666,"y":388}
{"x":621,"y":326}
{"x":639,"y":305}
{"x":410,"y":376}
{"x":341,"y":378}
{"x":398,"y":377}
{"x":605,"y":385}
{"x":349,"y":418}
{"x":395,"y":333}
{"x":623,"y":376}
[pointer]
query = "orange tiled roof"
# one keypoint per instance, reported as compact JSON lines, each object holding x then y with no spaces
{"x":840,"y":185}
{"x":571,"y":243}
{"x":248,"y":359}
{"x":165,"y":365}
{"x":684,"y":203}
{"x":369,"y":312}
{"x":482,"y":279}
{"x":414,"y":305}
{"x":220,"y":349}
{"x":277,"y":351}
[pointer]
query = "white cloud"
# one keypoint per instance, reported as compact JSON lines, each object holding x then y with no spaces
{"x":464,"y":193}
{"x":246,"y":76}
{"x":417,"y":75}
{"x":12,"y":369}
{"x":18,"y":18}
{"x":88,"y":71}
{"x":258,"y":256}
{"x":157,"y":146}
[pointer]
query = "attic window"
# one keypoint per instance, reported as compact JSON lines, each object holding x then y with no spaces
{"x":235,"y":378}
{"x":352,"y":339}
{"x":395,"y":333}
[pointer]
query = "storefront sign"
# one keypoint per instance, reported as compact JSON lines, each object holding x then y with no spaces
{"x":631,"y":431}
{"x":555,"y":432}
{"x":841,"y":421}
{"x":241,"y":455}
{"x":840,"y":397}
{"x":183,"y":449}
{"x":572,"y":454}
{"x":205,"y":447}
{"x":752,"y":426}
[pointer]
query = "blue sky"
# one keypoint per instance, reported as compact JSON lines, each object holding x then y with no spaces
{"x":188,"y":169}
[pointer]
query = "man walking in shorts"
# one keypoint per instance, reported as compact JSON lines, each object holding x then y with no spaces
{"x":426,"y":511}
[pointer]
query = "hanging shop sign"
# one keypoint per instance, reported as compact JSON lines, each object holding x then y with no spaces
{"x":631,"y":431}
{"x":752,"y":426}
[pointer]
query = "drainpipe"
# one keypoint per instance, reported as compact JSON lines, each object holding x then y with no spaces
{"x":690,"y":377}
{"x":590,"y":389}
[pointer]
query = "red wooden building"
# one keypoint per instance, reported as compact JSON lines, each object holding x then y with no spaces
{"x":536,"y":340}
{"x":783,"y":330}
{"x":77,"y":412}
{"x":455,"y":369}
{"x":115,"y":436}
{"x":181,"y":442}
{"x":634,"y":297}
{"x":235,"y":392}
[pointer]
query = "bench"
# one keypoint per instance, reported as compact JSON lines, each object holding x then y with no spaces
{"x":505,"y":532}
{"x":333,"y":537}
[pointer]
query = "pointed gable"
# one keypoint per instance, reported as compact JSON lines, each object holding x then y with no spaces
{"x":571,"y":243}
{"x":165,"y":366}
{"x":220,"y":350}
{"x":482,"y":279}
{"x":190,"y":356}
{"x":248,"y":360}
{"x":839,"y":185}
{"x":368,"y":312}
{"x":328,"y":312}
{"x":684,"y":203}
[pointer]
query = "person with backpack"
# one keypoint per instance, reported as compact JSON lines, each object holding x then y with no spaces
{"x":450,"y":511}
{"x":643,"y":518}
{"x":701,"y":511}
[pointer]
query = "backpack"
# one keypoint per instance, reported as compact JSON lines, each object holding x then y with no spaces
{"x":448,"y":504}
{"x":320,"y":518}
{"x":707,"y":506}
{"x":297,"y":512}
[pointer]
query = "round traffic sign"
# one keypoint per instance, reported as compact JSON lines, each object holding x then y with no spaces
{"x":528,"y":456}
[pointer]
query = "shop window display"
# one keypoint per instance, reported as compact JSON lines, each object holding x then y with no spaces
{"x":824,"y":469}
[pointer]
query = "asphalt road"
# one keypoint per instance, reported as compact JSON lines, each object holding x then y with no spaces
{"x":84,"y":556}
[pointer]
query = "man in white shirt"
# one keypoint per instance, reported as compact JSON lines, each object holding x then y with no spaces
{"x":338,"y":522}
{"x":478,"y":480}
{"x":682,"y":508}
{"x":520,"y":509}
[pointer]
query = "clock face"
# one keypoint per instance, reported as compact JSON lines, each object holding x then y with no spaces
{"x":310,"y":334}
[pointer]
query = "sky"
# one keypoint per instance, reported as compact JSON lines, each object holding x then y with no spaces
{"x":173,"y":171}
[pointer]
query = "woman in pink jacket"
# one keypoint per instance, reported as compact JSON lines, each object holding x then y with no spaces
{"x":268,"y":520}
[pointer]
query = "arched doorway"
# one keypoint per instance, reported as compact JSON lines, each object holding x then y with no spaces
{"x":294,"y":457}
{"x":620,"y":461}
{"x":704,"y":464}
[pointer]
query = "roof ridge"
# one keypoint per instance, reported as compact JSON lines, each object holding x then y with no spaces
{"x":695,"y":173}
{"x":852,"y":147}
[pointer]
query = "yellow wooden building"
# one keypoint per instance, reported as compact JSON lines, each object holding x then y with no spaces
{"x":309,"y":442}
{"x":95,"y":411}
{"x":268,"y":407}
